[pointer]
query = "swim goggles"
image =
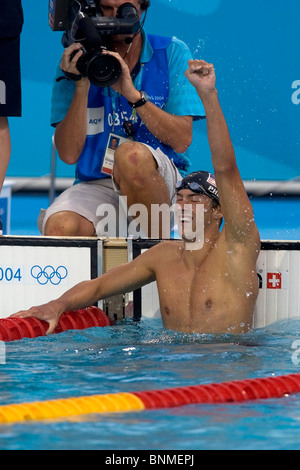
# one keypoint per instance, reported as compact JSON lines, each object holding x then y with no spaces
{"x":197,"y":188}
{"x":193,"y":186}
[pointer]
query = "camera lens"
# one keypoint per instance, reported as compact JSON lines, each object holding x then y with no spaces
{"x":103,"y":70}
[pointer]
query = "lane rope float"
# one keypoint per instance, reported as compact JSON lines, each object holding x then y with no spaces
{"x":228,"y":392}
{"x":13,"y":329}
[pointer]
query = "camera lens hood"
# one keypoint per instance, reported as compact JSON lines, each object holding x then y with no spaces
{"x":103,"y":70}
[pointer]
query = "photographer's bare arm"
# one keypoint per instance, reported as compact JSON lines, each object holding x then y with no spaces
{"x":70,"y":133}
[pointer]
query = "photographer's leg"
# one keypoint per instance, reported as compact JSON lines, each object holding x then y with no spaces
{"x":68,"y":224}
{"x":5,"y":148}
{"x":136,"y":174}
{"x":75,"y":211}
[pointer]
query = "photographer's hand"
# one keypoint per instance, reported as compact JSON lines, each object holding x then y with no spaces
{"x":124,"y":85}
{"x":69,"y":61}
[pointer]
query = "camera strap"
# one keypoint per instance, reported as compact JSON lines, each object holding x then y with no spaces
{"x":69,"y":76}
{"x":128,"y":124}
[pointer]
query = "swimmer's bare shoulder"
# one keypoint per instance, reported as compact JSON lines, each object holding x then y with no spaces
{"x":163,"y":257}
{"x":167,"y":250}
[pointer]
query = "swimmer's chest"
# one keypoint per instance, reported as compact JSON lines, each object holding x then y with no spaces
{"x":200,"y":286}
{"x":198,"y":301}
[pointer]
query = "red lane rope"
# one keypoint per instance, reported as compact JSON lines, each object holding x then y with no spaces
{"x":228,"y":392}
{"x":12,"y":329}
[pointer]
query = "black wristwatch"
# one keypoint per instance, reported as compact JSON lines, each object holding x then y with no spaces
{"x":141,"y":102}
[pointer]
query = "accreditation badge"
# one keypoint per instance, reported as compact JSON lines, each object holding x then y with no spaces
{"x":114,"y":141}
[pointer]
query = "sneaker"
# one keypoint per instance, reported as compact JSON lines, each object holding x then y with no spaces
{"x":1,"y":227}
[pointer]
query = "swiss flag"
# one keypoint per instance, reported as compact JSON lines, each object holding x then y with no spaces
{"x":274,"y":281}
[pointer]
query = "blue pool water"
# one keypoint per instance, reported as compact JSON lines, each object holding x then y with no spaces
{"x":132,"y":357}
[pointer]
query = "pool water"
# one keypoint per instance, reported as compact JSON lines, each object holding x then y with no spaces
{"x":132,"y":357}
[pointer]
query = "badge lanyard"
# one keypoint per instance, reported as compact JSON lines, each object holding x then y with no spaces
{"x":128,"y":123}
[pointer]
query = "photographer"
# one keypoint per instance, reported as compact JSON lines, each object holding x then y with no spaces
{"x":151,"y":107}
{"x":11,"y":22}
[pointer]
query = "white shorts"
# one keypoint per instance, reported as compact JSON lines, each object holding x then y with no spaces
{"x":85,"y":198}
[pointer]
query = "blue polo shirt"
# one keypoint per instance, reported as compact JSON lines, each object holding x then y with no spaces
{"x":163,"y":63}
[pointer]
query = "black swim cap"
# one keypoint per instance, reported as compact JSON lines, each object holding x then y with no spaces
{"x":200,"y":182}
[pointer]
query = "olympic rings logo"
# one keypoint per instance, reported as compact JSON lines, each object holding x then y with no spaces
{"x":49,"y":274}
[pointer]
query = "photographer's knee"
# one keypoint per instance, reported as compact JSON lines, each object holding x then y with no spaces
{"x":68,"y":224}
{"x":134,"y":160}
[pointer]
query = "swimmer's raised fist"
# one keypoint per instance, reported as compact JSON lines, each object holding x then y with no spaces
{"x":202,"y":75}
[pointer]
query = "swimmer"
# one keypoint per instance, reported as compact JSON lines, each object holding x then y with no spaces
{"x":207,"y":283}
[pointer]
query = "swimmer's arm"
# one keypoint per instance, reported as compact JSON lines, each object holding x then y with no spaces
{"x":124,"y":278}
{"x":240,"y":227}
{"x":237,"y":210}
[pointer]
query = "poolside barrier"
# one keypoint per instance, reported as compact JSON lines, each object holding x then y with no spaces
{"x":230,"y":392}
{"x":12,"y":329}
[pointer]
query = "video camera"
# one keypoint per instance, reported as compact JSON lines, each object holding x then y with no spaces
{"x":83,"y":22}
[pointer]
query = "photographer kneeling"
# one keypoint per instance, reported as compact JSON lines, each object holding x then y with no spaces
{"x":149,"y":109}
